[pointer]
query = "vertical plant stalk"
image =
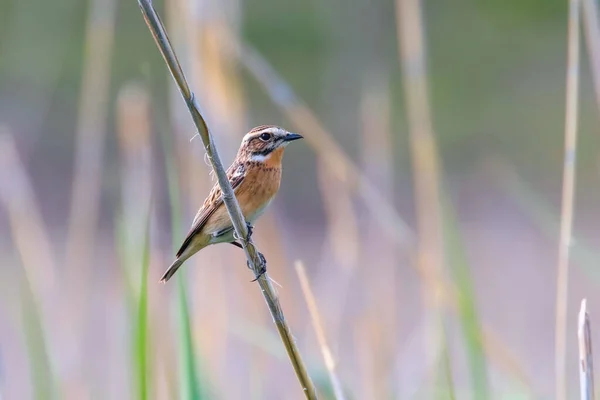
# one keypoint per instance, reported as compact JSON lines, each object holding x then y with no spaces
{"x":315,"y":316}
{"x":377,"y":159}
{"x":233,"y":208}
{"x":592,"y":34}
{"x":466,"y":302}
{"x":91,"y":130}
{"x":141,"y":327}
{"x":430,"y":249}
{"x":423,"y":145}
{"x":85,"y":194}
{"x":38,"y":285}
{"x":586,"y":364}
{"x":133,"y":129}
{"x":568,"y":195}
{"x":190,"y":386}
{"x":30,"y":236}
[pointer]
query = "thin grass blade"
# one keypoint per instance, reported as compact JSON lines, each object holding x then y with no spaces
{"x":469,"y":320}
{"x":42,"y":375}
{"x":190,"y":386}
{"x":141,"y":329}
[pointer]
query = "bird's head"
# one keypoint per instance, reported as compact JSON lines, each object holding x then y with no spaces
{"x":266,"y":142}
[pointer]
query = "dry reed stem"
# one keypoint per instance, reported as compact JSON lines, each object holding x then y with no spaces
{"x":315,"y":316}
{"x":586,"y":363}
{"x":322,"y":142}
{"x":592,"y":33}
{"x":343,"y":236}
{"x":568,"y":195}
{"x":343,"y":227}
{"x":91,"y":130}
{"x":25,"y":217}
{"x":425,"y":158}
{"x":160,"y":36}
{"x":423,"y":145}
{"x":87,"y":179}
{"x":214,"y":74}
{"x":133,"y":134}
{"x":32,"y":242}
{"x":377,"y":155}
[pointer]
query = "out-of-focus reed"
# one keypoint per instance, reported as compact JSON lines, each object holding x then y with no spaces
{"x":87,"y":176}
{"x":317,"y":323}
{"x":430,"y":247}
{"x":212,"y":343}
{"x":38,"y":283}
{"x":90,"y":137}
{"x":568,"y":196}
{"x":586,"y":356}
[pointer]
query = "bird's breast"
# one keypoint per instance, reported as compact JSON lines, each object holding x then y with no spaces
{"x":258,"y":189}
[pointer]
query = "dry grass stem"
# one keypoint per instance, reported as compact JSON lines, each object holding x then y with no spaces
{"x":29,"y":233}
{"x":87,"y":180}
{"x":315,"y":316}
{"x":160,"y":36}
{"x":423,"y":146}
{"x":133,"y":129}
{"x":592,"y":33}
{"x":568,"y":195}
{"x":430,"y":247}
{"x":586,"y":364}
{"x":32,"y":243}
{"x":91,"y":130}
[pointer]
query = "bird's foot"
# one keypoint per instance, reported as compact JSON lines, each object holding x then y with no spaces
{"x":250,"y":229}
{"x":262,"y":268}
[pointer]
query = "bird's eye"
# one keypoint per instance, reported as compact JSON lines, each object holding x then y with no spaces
{"x":265,"y":136}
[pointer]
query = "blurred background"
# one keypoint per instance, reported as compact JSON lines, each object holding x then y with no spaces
{"x":434,"y":270}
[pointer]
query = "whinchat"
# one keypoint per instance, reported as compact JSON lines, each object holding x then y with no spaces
{"x":255,"y":175}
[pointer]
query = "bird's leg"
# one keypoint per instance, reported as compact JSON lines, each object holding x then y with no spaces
{"x":263,"y":267}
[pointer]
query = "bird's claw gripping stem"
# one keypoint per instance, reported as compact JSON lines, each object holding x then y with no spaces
{"x":263,"y":267}
{"x":250,"y":229}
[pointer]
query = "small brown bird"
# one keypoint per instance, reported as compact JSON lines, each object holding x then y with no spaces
{"x":254,"y":175}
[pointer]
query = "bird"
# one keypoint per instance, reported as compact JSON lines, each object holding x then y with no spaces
{"x":255,"y":176}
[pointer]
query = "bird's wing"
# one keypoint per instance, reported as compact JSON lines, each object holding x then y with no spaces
{"x":235,"y":174}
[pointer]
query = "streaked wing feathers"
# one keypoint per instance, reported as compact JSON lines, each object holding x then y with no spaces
{"x":235,"y":174}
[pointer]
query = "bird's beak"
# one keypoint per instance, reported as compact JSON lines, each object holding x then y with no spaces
{"x":292,"y":136}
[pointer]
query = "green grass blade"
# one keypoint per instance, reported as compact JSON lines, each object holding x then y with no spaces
{"x":42,"y":375}
{"x":191,"y":387}
{"x":444,"y":381}
{"x":469,"y":320}
{"x":141,"y":328}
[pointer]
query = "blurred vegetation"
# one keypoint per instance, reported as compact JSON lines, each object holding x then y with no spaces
{"x":496,"y":73}
{"x":491,"y":90}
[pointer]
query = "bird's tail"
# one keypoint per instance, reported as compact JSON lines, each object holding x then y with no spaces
{"x":172,"y":269}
